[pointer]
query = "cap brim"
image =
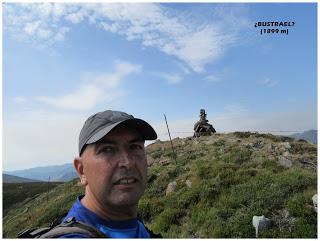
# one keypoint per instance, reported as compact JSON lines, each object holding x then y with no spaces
{"x":146,"y":130}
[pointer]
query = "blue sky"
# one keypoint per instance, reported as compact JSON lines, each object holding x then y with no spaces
{"x":64,"y":62}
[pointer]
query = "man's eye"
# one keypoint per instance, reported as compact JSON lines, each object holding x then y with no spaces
{"x":107,"y":149}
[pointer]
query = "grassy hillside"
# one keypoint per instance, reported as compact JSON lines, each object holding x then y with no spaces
{"x":221,"y":182}
{"x":42,"y":209}
{"x":15,"y":193}
{"x":233,"y":177}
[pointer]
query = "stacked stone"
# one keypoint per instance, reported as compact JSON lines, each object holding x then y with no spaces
{"x":202,"y":127}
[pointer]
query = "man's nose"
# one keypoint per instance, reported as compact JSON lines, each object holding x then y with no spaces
{"x":125,"y":160}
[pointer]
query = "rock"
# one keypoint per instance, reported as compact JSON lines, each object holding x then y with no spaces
{"x":165,"y":162}
{"x":150,"y":160}
{"x":209,"y":142}
{"x":315,"y":202}
{"x":270,"y":147}
{"x":260,"y":222}
{"x":171,"y":187}
{"x":308,"y":163}
{"x":286,"y":145}
{"x":286,"y":154}
{"x":284,"y":161}
{"x":188,"y":183}
{"x":258,"y":144}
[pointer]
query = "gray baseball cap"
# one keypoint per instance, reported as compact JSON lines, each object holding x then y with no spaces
{"x":101,"y":123}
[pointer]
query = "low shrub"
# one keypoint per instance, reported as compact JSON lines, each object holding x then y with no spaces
{"x":242,"y":134}
{"x":168,"y":217}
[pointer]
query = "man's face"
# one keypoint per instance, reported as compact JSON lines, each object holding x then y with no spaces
{"x":116,"y":168}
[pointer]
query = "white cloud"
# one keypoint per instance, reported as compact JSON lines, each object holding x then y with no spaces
{"x":30,"y":28}
{"x":212,"y":79}
{"x":43,"y":9}
{"x":181,"y":34}
{"x":218,"y":76}
{"x":83,"y":98}
{"x":269,"y":82}
{"x":202,"y":47}
{"x":19,"y":100}
{"x":172,"y":78}
{"x":58,"y":10}
{"x":96,"y":88}
{"x":38,"y":23}
{"x":77,"y":17}
{"x":59,"y":37}
{"x":44,"y":33}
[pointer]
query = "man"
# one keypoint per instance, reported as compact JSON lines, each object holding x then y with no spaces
{"x":112,"y":167}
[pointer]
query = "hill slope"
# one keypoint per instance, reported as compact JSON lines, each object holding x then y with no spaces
{"x":17,"y":194}
{"x":14,"y":179}
{"x":217,"y":184}
{"x":310,"y":136}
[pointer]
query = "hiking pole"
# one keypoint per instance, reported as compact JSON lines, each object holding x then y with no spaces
{"x":174,"y":154}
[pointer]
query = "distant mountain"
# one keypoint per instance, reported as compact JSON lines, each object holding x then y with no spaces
{"x":14,"y":179}
{"x":55,"y":173}
{"x":64,"y":177}
{"x":310,"y":136}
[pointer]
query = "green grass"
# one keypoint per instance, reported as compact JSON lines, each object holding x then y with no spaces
{"x":230,"y":183}
{"x":42,"y":210}
{"x":14,"y":193}
{"x":229,"y":188}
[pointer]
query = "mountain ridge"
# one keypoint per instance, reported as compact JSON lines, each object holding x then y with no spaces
{"x":58,"y":173}
{"x":309,"y":135}
{"x":6,"y":178}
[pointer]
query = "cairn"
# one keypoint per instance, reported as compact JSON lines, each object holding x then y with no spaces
{"x":202,"y":127}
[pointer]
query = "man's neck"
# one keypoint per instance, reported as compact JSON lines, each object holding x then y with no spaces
{"x":109,"y":213}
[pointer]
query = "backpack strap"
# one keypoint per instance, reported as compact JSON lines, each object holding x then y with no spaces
{"x":33,"y":233}
{"x":70,"y":226}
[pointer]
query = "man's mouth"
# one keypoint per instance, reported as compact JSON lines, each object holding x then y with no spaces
{"x":125,"y":181}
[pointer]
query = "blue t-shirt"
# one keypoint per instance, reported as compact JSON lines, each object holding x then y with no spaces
{"x":133,"y":228}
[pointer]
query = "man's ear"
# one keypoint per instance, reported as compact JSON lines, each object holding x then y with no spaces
{"x":78,"y":165}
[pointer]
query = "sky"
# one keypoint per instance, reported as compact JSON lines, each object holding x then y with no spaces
{"x":64,"y":62}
